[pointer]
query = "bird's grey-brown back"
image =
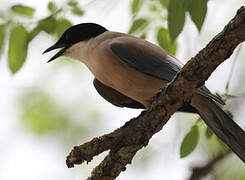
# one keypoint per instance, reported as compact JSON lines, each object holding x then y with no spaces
{"x":107,"y":68}
{"x":96,"y":53}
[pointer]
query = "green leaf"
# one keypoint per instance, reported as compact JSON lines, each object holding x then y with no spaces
{"x":138,"y":25}
{"x":17,"y":51}
{"x":72,"y":3}
{"x":62,"y":25}
{"x":197,"y":10}
{"x":33,"y":33}
{"x":23,"y":10}
{"x":135,"y":6}
{"x":52,"y":6}
{"x":164,"y":41}
{"x":208,"y":133}
{"x":143,"y":36}
{"x":176,"y":19}
{"x":164,"y":3}
{"x":190,"y":142}
{"x":77,"y":11}
{"x":2,"y":36}
{"x":48,"y":24}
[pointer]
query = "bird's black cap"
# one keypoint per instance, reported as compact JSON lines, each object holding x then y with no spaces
{"x":75,"y":34}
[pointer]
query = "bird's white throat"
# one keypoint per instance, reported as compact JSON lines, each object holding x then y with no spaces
{"x":78,"y":51}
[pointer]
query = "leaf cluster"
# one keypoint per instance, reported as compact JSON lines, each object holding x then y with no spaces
{"x":23,"y":26}
{"x":166,"y":18}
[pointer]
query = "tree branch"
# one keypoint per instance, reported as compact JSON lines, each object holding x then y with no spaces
{"x":199,"y":172}
{"x":135,"y":134}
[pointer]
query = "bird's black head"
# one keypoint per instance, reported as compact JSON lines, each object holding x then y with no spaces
{"x":75,"y":34}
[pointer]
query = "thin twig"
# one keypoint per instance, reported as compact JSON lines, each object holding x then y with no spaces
{"x":199,"y":172}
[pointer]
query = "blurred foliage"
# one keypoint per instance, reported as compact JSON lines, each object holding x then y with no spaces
{"x":17,"y":50}
{"x":197,"y":10}
{"x":176,"y":18}
{"x":77,"y":11}
{"x":138,"y":25}
{"x":164,"y":3}
{"x":45,"y":112}
{"x":240,"y":174}
{"x":52,"y":6}
{"x":23,"y":10}
{"x":150,"y":17}
{"x":22,"y":33}
{"x":62,"y":24}
{"x":164,"y":41}
{"x":165,"y":18}
{"x":2,"y":37}
{"x":135,"y":6}
{"x":41,"y":114}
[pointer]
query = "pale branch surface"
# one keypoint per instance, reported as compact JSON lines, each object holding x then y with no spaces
{"x":124,"y":142}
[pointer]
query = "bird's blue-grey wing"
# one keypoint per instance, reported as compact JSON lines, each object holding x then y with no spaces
{"x":141,"y":58}
{"x":153,"y":65}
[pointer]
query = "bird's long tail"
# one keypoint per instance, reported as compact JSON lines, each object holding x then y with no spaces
{"x":221,"y":124}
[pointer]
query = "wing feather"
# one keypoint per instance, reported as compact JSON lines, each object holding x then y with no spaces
{"x":156,"y":66}
{"x":151,"y":60}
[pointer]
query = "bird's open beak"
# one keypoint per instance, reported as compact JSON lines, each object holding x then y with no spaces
{"x":56,"y":46}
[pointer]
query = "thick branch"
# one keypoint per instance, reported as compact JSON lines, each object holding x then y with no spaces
{"x":135,"y":134}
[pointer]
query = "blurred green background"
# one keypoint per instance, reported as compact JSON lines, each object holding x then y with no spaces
{"x":47,"y":108}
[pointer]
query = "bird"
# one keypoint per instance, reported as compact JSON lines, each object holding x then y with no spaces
{"x":128,"y":71}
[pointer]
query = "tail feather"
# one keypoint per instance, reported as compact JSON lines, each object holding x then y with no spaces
{"x":221,"y":124}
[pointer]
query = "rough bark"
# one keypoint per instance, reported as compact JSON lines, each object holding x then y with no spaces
{"x":124,"y":142}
